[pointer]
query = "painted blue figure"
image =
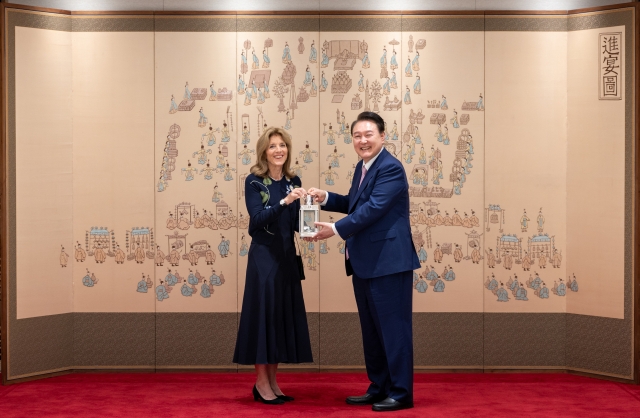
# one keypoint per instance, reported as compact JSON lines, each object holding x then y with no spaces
{"x":187,"y":93}
{"x":260,"y":97}
{"x":174,"y":106}
{"x":562,"y":289}
{"x":246,"y":159}
{"x":311,"y":246}
{"x":325,"y":59}
{"x":240,"y":85}
{"x":323,"y":82}
{"x":247,"y":97}
{"x":415,"y":64}
{"x":87,"y":281}
{"x":225,"y":133}
{"x":456,"y":187}
{"x":287,"y":125}
{"x":422,"y":255}
{"x":307,"y":77}
{"x":463,"y":178}
{"x":347,"y":135}
{"x":254,"y":90}
{"x":323,"y":247}
{"x":422,"y":286}
{"x":188,"y":172}
{"x":214,"y":95}
{"x":493,"y":284}
{"x":503,"y":295}
{"x":445,"y":137}
{"x":417,"y":86}
{"x":394,"y":81}
{"x":192,"y":279}
{"x":313,"y":55}
{"x":535,"y":283}
{"x":383,"y":59}
{"x":142,"y":286}
{"x":432,"y":275}
{"x":407,"y":96}
{"x":439,"y":286}
{"x":394,"y":61}
{"x":171,"y":279}
{"x":408,"y":156}
{"x":454,"y":119}
{"x":314,"y":87}
{"x":513,"y":285}
{"x":162,"y":184}
{"x":243,"y":58}
{"x":544,"y":292}
{"x":416,"y":135}
{"x":215,"y":279}
{"x":574,"y":285}
{"x":423,"y":156}
{"x":360,"y":83}
{"x":416,"y":278}
{"x":265,"y":58}
{"x":223,"y":247}
{"x":365,"y":60}
{"x":286,"y":54}
{"x":244,"y":248}
{"x":450,"y":275}
{"x":521,"y":293}
{"x":227,"y":173}
{"x":443,"y":103}
{"x":186,"y":290}
{"x":386,"y":89}
{"x":204,"y":290}
{"x":256,"y":62}
{"x":480,"y":104}
{"x":407,"y":69}
{"x":161,"y":293}
{"x":266,"y":89}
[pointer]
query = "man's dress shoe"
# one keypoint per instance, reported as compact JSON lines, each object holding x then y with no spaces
{"x":365,"y":399}
{"x":391,"y":404}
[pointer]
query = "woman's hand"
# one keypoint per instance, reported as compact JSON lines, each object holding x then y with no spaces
{"x":296,"y":193}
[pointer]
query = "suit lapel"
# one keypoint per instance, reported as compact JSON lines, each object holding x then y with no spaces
{"x":367,"y":177}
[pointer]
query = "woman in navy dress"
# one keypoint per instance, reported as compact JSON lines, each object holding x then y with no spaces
{"x":273,"y":322}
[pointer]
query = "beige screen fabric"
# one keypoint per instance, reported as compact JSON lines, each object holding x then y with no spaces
{"x":44,"y":177}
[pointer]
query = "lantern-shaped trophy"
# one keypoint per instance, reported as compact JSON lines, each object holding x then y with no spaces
{"x":309,"y":214}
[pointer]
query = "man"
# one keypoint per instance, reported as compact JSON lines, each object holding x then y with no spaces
{"x":377,"y":228}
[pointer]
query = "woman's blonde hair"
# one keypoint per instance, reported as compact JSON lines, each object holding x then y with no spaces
{"x":261,"y":167}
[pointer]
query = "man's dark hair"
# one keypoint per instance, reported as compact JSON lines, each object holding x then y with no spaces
{"x":372,"y":117}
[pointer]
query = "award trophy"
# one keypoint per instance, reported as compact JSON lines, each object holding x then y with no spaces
{"x":309,"y":214}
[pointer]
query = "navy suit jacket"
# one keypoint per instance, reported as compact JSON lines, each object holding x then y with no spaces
{"x":376,"y":229}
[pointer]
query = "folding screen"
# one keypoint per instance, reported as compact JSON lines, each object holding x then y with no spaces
{"x":128,"y":139}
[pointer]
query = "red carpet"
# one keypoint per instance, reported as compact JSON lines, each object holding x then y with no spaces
{"x":317,"y":395}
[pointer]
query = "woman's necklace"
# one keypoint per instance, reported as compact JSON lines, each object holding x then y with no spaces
{"x":281,"y":175}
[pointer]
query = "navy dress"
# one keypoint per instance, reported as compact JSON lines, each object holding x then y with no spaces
{"x":273,"y":322}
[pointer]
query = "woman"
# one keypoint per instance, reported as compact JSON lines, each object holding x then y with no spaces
{"x":273,"y":323}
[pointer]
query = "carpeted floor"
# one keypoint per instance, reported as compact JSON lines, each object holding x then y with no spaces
{"x":317,"y":395}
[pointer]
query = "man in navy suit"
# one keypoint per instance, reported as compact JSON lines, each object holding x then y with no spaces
{"x":381,"y":257}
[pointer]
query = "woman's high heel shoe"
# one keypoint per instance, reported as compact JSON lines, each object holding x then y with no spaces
{"x":285,"y":398}
{"x":258,"y":397}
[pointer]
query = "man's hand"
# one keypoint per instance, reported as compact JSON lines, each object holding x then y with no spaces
{"x":318,"y":195}
{"x":325,"y":232}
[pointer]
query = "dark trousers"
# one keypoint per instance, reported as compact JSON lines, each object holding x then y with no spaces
{"x":385,"y":309}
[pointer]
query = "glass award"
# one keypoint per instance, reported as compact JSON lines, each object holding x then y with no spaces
{"x":309,"y":214}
